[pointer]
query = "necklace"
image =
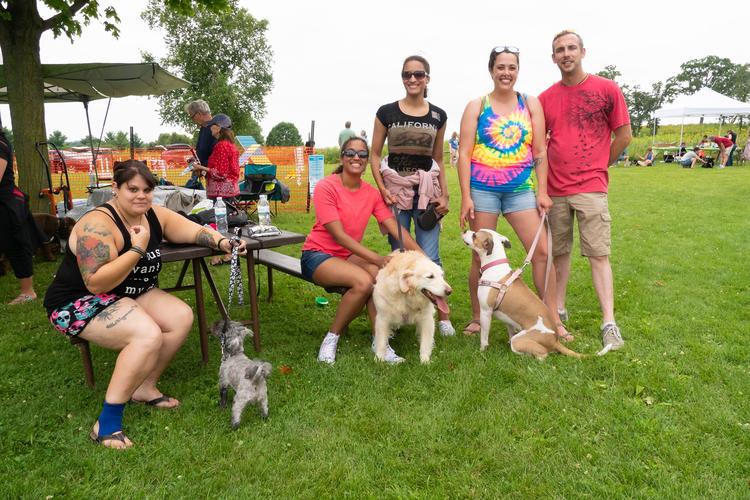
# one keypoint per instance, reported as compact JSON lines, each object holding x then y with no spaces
{"x":122,"y":216}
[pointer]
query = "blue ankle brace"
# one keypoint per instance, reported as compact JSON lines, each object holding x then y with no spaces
{"x":110,"y":420}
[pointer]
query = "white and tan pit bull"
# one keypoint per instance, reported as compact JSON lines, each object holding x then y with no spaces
{"x":529,"y":321}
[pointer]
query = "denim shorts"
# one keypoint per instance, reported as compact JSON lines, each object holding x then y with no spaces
{"x":310,"y":261}
{"x":495,"y":202}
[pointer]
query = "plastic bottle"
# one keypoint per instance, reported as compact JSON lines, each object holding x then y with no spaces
{"x":264,"y":211}
{"x":220,"y":211}
{"x":92,"y":177}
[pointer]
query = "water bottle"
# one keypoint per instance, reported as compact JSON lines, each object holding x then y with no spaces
{"x":220,"y":211}
{"x":264,"y":211}
{"x":92,"y":177}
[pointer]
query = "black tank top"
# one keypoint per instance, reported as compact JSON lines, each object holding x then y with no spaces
{"x":68,"y":284}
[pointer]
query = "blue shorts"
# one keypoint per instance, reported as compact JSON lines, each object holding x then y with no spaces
{"x":495,"y":202}
{"x":310,"y":261}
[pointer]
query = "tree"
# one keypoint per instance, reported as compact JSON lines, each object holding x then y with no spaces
{"x":171,"y":138}
{"x":58,"y":139}
{"x":9,"y":134}
{"x":226,"y":57}
{"x":21,"y":28}
{"x":717,"y":73}
{"x":610,"y":72}
{"x":284,"y":134}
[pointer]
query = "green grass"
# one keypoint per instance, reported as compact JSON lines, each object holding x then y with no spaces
{"x":666,"y":417}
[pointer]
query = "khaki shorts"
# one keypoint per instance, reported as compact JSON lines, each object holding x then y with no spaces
{"x":594,"y":224}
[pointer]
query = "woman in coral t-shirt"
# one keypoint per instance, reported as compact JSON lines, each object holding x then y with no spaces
{"x":223,"y":169}
{"x":333,"y":255}
{"x":725,"y":144}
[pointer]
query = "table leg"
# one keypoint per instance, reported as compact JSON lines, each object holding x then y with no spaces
{"x":202,"y":326}
{"x":253,"y":293}
{"x":214,"y":291}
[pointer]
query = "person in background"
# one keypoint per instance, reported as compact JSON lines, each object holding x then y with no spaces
{"x":363,"y":134}
{"x":689,"y":159}
{"x":412,"y":175}
{"x":725,"y":144}
{"x":333,"y":254}
{"x":503,"y":143}
{"x":19,"y":234}
{"x":746,"y":152}
{"x":453,"y":146}
{"x":648,"y":160}
{"x":106,"y":292}
{"x":345,"y":134}
{"x":583,"y":112}
{"x":200,"y":113}
{"x":731,"y":134}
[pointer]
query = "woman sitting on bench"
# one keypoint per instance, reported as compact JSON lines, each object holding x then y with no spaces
{"x":333,"y":255}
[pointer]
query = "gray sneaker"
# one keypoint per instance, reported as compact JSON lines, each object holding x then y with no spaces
{"x":611,"y":336}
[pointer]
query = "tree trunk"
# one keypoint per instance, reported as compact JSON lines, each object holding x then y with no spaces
{"x":19,"y":41}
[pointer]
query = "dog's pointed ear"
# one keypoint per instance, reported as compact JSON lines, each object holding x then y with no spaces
{"x":251,"y":371}
{"x":506,"y":242}
{"x":406,"y":280}
{"x":488,"y":245}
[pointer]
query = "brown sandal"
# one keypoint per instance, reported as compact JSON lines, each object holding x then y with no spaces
{"x":115,"y":436}
{"x":470,"y":332}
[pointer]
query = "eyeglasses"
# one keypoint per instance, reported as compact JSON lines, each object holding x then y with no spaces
{"x":419,"y":75}
{"x":350,"y":153}
{"x":506,"y":48}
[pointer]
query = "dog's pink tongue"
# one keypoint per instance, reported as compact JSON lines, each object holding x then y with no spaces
{"x":442,"y":305}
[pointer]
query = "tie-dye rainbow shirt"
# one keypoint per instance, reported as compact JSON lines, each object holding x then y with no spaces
{"x":502,"y":159}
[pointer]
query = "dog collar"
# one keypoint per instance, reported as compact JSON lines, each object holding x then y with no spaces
{"x":493,"y":264}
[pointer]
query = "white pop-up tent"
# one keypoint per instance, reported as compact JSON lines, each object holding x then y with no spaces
{"x":705,"y":102}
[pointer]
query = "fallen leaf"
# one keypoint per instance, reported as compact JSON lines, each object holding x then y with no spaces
{"x":659,"y":283}
{"x":648,"y":400}
{"x":285,"y":369}
{"x":639,"y":390}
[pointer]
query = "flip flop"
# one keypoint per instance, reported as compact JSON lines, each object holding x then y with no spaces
{"x":567,"y":337}
{"x":115,"y":436}
{"x":470,"y":332}
{"x":21,"y":299}
{"x":155,"y":402}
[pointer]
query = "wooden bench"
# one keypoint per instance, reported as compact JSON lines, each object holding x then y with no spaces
{"x":288,"y":265}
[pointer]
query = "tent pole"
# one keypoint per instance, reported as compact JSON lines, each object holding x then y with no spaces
{"x":682,"y":127}
{"x":85,"y":102}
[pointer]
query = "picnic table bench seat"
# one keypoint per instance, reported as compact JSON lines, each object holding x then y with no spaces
{"x":288,"y":265}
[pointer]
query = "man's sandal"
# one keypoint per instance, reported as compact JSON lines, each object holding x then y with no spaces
{"x":470,"y":332}
{"x":155,"y":402}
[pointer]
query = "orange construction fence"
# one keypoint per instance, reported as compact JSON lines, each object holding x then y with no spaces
{"x":292,"y":169}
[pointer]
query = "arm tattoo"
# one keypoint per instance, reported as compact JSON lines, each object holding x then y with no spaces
{"x":205,"y":239}
{"x":122,"y":318}
{"x":92,"y":253}
{"x":96,"y":229}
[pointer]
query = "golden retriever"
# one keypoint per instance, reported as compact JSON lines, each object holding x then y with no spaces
{"x":407,"y":290}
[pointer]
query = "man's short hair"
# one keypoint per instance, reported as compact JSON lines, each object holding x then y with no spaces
{"x":567,"y":32}
{"x":194,"y":107}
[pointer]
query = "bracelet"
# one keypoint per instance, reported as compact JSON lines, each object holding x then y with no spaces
{"x":137,"y":250}
{"x":218,"y":245}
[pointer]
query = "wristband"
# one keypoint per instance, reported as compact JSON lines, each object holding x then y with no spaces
{"x":137,"y":250}
{"x":218,"y":245}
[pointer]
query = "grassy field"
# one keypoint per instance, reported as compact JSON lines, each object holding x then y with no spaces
{"x":666,"y":417}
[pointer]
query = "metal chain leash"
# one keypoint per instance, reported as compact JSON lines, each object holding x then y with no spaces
{"x":235,"y":273}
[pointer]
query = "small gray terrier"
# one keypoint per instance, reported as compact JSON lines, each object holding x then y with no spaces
{"x":246,"y":376}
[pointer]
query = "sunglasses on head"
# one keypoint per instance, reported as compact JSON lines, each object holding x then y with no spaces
{"x":506,"y":48}
{"x":419,"y":75}
{"x":350,"y":153}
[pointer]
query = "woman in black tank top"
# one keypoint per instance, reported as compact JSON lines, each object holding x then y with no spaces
{"x":106,"y":291}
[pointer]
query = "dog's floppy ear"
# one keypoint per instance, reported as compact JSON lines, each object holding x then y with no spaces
{"x":406,"y":280}
{"x":506,"y":242}
{"x":488,"y":245}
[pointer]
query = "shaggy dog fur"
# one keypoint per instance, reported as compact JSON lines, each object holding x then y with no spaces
{"x":246,"y":376}
{"x":407,"y":290}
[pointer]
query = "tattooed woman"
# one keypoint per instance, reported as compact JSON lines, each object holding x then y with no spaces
{"x":106,"y":292}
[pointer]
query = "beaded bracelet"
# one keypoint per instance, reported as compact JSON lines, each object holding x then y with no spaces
{"x":137,"y":250}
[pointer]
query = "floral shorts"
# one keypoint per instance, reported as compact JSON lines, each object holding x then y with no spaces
{"x":72,"y":318}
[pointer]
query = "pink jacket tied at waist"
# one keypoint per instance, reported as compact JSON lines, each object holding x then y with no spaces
{"x":402,"y":188}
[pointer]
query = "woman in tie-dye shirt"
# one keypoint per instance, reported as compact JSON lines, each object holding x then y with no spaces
{"x":494,"y":171}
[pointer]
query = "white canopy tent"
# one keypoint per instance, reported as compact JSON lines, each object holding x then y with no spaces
{"x":705,"y":102}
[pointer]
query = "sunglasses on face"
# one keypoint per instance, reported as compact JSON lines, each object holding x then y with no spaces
{"x":419,"y":75}
{"x":350,"y":153}
{"x":506,"y":48}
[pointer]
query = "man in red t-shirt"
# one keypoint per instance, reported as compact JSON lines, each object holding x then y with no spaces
{"x":582,"y":112}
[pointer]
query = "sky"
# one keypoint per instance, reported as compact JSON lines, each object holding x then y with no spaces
{"x":336,"y":60}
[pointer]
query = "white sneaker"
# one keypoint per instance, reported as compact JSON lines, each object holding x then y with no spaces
{"x":611,"y":336}
{"x":327,"y":353}
{"x":390,"y":355}
{"x":445,"y":327}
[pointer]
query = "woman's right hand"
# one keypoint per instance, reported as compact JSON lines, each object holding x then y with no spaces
{"x":139,"y":236}
{"x":467,"y":211}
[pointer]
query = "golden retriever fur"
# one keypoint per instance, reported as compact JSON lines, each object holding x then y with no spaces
{"x":407,"y":290}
